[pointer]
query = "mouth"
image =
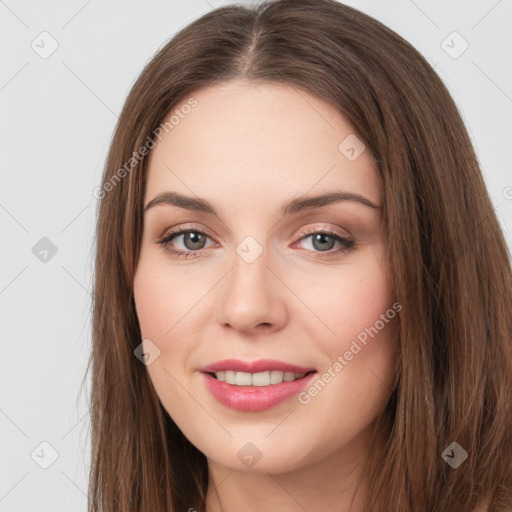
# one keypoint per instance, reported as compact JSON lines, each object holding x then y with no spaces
{"x":254,"y":386}
{"x":259,"y":379}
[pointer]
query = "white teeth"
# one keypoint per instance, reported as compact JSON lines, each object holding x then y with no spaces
{"x":257,"y":379}
{"x":243,"y":379}
{"x":276,"y":377}
{"x":261,"y":379}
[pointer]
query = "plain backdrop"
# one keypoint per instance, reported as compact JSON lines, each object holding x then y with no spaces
{"x":58,"y":113}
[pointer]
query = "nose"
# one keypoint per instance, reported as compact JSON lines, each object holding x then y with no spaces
{"x":252,"y":297}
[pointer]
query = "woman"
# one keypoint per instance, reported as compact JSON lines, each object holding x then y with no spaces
{"x":302,"y":294}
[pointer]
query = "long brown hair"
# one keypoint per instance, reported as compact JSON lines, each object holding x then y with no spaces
{"x":449,"y":265}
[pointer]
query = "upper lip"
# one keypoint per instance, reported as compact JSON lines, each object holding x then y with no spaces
{"x":261,"y":365}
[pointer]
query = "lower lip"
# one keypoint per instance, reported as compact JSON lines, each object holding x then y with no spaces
{"x":253,"y":398}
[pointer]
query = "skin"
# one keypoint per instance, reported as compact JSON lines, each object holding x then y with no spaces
{"x":247,"y":148}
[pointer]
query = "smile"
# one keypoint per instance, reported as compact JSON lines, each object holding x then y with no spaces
{"x":267,"y":378}
{"x":255,"y":392}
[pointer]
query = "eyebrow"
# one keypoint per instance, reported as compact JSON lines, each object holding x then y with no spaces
{"x":296,"y":205}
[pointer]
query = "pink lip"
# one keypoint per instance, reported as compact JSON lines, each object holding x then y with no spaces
{"x":254,"y":398}
{"x":261,"y":365}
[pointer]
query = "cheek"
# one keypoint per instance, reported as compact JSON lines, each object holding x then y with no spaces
{"x":159,"y":306}
{"x":162,"y":298}
{"x":166,"y":302}
{"x":345,"y":300}
{"x":360,"y":303}
{"x":356,"y":330}
{"x":152,"y":299}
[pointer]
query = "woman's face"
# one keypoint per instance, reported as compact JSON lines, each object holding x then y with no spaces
{"x":253,"y":281}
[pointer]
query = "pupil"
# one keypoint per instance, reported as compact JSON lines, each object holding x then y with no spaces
{"x":194,"y":238}
{"x":321,"y":237}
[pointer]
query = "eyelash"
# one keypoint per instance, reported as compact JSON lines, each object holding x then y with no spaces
{"x":166,"y":239}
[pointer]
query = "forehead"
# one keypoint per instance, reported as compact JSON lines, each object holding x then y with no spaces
{"x":262,"y":140}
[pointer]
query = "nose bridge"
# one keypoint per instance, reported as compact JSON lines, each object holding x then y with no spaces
{"x":250,"y":272}
{"x":251,"y":292}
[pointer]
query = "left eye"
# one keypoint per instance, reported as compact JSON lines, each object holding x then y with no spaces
{"x":194,"y":241}
{"x":319,"y":240}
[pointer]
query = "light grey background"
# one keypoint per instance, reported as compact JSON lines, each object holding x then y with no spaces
{"x":57,"y":117}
